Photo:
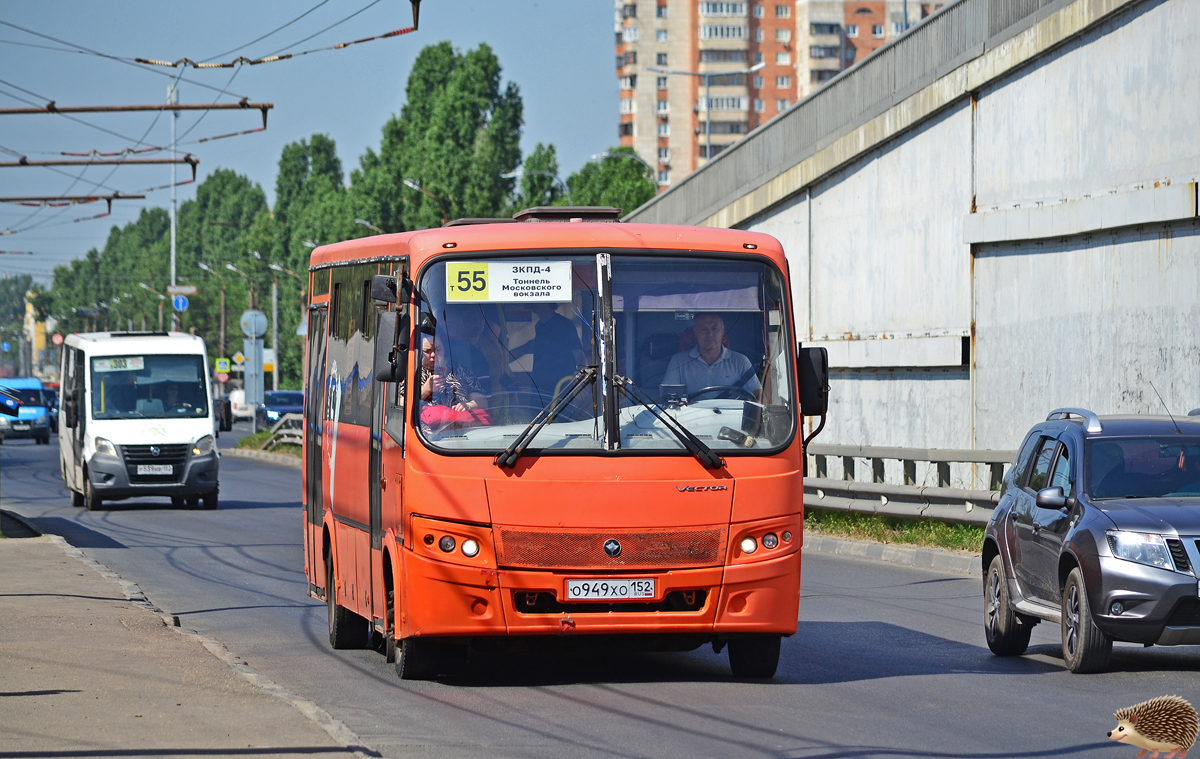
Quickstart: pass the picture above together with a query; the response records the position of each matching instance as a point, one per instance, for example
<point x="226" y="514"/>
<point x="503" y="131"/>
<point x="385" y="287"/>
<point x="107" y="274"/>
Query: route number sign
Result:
<point x="503" y="282"/>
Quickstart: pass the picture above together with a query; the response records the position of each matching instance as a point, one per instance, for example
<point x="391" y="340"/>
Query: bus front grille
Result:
<point x="648" y="549"/>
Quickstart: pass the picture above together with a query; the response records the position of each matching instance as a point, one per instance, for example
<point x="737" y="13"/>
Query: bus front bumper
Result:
<point x="446" y="599"/>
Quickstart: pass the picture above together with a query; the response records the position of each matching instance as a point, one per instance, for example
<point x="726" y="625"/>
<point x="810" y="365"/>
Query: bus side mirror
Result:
<point x="383" y="288"/>
<point x="814" y="380"/>
<point x="391" y="346"/>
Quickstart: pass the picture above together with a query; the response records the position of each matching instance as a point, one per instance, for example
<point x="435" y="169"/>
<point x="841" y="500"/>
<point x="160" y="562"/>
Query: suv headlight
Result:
<point x="202" y="446"/>
<point x="105" y="447"/>
<point x="1141" y="547"/>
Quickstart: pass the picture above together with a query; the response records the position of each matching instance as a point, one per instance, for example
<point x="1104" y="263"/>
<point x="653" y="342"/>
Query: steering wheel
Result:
<point x="731" y="392"/>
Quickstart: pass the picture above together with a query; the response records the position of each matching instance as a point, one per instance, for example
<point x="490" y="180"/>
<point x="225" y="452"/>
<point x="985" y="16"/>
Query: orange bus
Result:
<point x="556" y="425"/>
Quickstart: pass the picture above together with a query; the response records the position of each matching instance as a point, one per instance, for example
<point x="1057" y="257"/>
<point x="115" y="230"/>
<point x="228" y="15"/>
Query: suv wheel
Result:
<point x="1085" y="648"/>
<point x="1007" y="634"/>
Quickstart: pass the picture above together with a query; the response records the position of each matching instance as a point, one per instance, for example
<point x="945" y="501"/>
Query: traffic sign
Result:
<point x="254" y="323"/>
<point x="181" y="289"/>
<point x="180" y="302"/>
<point x="222" y="377"/>
<point x="238" y="358"/>
<point x="57" y="339"/>
<point x="222" y="365"/>
<point x="5" y="346"/>
<point x="268" y="359"/>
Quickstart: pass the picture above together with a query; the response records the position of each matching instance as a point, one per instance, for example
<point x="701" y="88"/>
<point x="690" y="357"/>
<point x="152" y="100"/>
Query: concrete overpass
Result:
<point x="993" y="216"/>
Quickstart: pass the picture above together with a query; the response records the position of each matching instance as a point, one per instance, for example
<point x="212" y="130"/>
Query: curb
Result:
<point x="282" y="459"/>
<point x="930" y="558"/>
<point x="336" y="729"/>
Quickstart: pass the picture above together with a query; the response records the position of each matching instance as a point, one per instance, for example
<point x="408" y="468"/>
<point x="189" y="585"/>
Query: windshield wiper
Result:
<point x="705" y="455"/>
<point x="507" y="459"/>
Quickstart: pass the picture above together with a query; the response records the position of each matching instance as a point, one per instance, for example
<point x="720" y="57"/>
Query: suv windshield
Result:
<point x="148" y="387"/>
<point x="704" y="338"/>
<point x="1144" y="467"/>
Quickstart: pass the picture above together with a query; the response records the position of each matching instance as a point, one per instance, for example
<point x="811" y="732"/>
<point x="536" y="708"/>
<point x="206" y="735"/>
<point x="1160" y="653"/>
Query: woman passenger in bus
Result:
<point x="450" y="392"/>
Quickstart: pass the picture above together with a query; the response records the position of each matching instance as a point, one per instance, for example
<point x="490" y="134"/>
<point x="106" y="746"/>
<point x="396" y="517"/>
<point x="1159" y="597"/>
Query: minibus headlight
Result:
<point x="470" y="548"/>
<point x="446" y="544"/>
<point x="202" y="446"/>
<point x="105" y="447"/>
<point x="770" y="540"/>
<point x="749" y="545"/>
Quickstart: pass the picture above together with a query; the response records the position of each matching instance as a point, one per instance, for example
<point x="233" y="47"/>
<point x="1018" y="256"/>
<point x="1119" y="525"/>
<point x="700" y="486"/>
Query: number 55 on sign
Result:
<point x="497" y="282"/>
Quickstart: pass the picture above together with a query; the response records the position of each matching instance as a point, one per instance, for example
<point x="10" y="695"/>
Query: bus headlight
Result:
<point x="447" y="544"/>
<point x="749" y="545"/>
<point x="770" y="540"/>
<point x="202" y="446"/>
<point x="105" y="447"/>
<point x="470" y="548"/>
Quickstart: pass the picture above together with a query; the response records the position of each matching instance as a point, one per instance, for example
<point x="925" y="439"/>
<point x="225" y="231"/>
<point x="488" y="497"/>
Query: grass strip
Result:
<point x="881" y="529"/>
<point x="255" y="443"/>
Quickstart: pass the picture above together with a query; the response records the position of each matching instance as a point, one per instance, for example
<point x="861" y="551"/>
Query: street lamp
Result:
<point x="522" y="172"/>
<point x="708" y="77"/>
<point x="274" y="321"/>
<point x="369" y="225"/>
<point x="212" y="271"/>
<point x="417" y="186"/>
<point x="161" y="298"/>
<point x="249" y="283"/>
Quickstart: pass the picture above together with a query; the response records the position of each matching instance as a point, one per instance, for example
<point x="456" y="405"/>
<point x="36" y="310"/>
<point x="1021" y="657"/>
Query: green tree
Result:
<point x="12" y="314"/>
<point x="624" y="183"/>
<point x="540" y="185"/>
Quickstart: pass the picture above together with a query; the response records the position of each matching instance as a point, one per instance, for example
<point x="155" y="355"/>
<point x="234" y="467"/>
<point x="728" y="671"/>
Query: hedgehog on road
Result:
<point x="1166" y="723"/>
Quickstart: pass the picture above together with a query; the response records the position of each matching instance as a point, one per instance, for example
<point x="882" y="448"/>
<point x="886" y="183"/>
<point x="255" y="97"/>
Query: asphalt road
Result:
<point x="889" y="661"/>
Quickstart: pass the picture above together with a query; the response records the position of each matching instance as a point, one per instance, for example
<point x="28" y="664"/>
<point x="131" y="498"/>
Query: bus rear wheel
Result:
<point x="754" y="657"/>
<point x="346" y="629"/>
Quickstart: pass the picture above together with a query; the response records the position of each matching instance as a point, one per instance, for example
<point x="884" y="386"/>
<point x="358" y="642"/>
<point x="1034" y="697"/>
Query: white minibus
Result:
<point x="137" y="419"/>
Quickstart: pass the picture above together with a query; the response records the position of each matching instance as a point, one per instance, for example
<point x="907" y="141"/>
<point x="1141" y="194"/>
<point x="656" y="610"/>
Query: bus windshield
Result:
<point x="702" y="339"/>
<point x="167" y="386"/>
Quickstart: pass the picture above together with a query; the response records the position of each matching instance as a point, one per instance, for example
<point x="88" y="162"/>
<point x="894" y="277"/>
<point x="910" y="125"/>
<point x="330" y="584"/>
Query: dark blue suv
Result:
<point x="1098" y="529"/>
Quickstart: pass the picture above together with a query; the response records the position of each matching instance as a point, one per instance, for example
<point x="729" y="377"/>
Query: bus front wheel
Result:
<point x="754" y="657"/>
<point x="417" y="659"/>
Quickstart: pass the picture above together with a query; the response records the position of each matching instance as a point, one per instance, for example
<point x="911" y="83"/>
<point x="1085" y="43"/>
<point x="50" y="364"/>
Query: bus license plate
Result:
<point x="155" y="469"/>
<point x="615" y="590"/>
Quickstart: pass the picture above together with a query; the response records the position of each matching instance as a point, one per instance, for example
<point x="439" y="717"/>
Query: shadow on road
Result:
<point x="75" y="533"/>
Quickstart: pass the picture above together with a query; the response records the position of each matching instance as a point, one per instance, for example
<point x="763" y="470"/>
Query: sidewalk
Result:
<point x="86" y="671"/>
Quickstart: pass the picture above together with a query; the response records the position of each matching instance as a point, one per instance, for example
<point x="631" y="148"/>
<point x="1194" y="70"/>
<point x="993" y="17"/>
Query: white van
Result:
<point x="136" y="418"/>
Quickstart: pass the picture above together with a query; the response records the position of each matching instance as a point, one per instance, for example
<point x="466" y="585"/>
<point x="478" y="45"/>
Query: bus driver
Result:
<point x="710" y="363"/>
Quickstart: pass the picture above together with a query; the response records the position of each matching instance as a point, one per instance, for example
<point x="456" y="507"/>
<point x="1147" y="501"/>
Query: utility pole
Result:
<point x="275" y="330"/>
<point x="173" y="99"/>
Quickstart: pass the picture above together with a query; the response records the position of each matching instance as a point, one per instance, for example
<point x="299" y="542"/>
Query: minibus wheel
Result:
<point x="91" y="498"/>
<point x="346" y="629"/>
<point x="417" y="659"/>
<point x="754" y="657"/>
<point x="77" y="499"/>
<point x="211" y="500"/>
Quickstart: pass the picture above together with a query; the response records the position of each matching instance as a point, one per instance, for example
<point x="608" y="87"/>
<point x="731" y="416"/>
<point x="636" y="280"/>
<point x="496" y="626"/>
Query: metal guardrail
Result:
<point x="910" y="499"/>
<point x="288" y="430"/>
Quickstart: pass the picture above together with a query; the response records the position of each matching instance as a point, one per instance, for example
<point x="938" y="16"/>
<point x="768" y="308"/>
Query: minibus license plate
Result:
<point x="20" y="427"/>
<point x="155" y="469"/>
<point x="610" y="589"/>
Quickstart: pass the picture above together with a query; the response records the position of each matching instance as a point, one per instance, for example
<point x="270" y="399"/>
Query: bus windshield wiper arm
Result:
<point x="705" y="455"/>
<point x="507" y="459"/>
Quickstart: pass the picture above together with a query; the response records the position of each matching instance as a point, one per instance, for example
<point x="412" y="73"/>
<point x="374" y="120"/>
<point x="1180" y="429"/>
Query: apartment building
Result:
<point x="833" y="35"/>
<point x="698" y="75"/>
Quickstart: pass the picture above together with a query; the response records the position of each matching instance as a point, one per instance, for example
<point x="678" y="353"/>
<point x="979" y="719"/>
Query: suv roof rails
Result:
<point x="1092" y="421"/>
<point x="569" y="213"/>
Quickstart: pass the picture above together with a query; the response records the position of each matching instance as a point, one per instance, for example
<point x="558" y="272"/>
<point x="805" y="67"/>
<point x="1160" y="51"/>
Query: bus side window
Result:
<point x="393" y="415"/>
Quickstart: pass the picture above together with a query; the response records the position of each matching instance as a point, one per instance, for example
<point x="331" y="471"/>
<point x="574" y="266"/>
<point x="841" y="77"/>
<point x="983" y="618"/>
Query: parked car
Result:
<point x="276" y="403"/>
<point x="1097" y="529"/>
<point x="33" y="419"/>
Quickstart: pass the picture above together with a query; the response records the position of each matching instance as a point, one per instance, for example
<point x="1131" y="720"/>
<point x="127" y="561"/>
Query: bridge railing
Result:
<point x="891" y="483"/>
<point x="289" y="429"/>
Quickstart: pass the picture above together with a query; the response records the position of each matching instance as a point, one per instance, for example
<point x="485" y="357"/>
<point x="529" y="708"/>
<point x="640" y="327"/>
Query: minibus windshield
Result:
<point x="703" y="338"/>
<point x="165" y="386"/>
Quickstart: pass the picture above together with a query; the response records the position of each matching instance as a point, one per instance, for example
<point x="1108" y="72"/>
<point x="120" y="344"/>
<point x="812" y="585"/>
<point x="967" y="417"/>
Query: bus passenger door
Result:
<point x="375" y="472"/>
<point x="314" y="414"/>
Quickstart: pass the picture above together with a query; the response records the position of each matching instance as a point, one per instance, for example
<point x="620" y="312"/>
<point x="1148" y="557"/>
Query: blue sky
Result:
<point x="559" y="52"/>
